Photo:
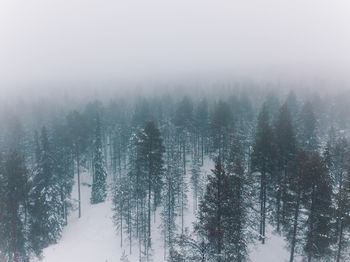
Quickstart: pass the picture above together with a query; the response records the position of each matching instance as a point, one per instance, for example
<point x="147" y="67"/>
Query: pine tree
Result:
<point x="150" y="161"/>
<point x="184" y="123"/>
<point x="340" y="168"/>
<point x="64" y="165"/>
<point x="286" y="147"/>
<point x="45" y="222"/>
<point x="196" y="180"/>
<point x="292" y="104"/>
<point x="221" y="126"/>
<point x="307" y="129"/>
<point x="12" y="219"/>
<point x="236" y="238"/>
<point x="78" y="129"/>
<point x="99" y="191"/>
<point x="298" y="169"/>
<point x="318" y="203"/>
<point x="273" y="106"/>
<point x="214" y="212"/>
<point x="171" y="197"/>
<point x="343" y="218"/>
<point x="190" y="247"/>
<point x="263" y="161"/>
<point x="202" y="122"/>
<point x="123" y="204"/>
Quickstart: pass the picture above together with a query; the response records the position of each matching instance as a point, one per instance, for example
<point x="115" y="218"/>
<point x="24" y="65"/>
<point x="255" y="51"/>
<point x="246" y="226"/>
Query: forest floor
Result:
<point x="93" y="238"/>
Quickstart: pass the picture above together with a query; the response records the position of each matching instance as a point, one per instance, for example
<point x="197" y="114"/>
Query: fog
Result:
<point x="91" y="44"/>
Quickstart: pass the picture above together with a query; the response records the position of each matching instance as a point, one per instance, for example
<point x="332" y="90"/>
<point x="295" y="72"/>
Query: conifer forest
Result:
<point x="174" y="131"/>
<point x="240" y="164"/>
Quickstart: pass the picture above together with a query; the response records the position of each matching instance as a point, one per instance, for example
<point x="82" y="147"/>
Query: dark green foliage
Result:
<point x="99" y="188"/>
<point x="237" y="236"/>
<point x="150" y="162"/>
<point x="221" y="127"/>
<point x="64" y="166"/>
<point x="297" y="172"/>
<point x="271" y="175"/>
<point x="286" y="147"/>
<point x="264" y="161"/>
<point x="79" y="137"/>
<point x="292" y="104"/>
<point x="264" y="149"/>
<point x="202" y="126"/>
<point x="318" y="202"/>
<point x="221" y="215"/>
<point x="196" y="180"/>
<point x="190" y="247"/>
<point x="184" y="115"/>
<point x="46" y="220"/>
<point x="13" y="189"/>
<point x="307" y="129"/>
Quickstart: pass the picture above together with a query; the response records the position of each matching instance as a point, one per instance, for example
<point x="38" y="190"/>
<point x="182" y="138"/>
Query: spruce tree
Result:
<point x="171" y="197"/>
<point x="292" y="104"/>
<point x="196" y="180"/>
<point x="308" y="128"/>
<point x="319" y="208"/>
<point x="340" y="168"/>
<point x="236" y="238"/>
<point x="263" y="161"/>
<point x="221" y="126"/>
<point x="78" y="130"/>
<point x="99" y="190"/>
<point x="214" y="212"/>
<point x="150" y="161"/>
<point x="64" y="165"/>
<point x="45" y="222"/>
<point x="286" y="147"/>
<point x="343" y="219"/>
<point x="298" y="169"/>
<point x="12" y="223"/>
<point x="202" y="122"/>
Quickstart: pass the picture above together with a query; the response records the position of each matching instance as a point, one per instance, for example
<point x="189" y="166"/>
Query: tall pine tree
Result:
<point x="46" y="221"/>
<point x="99" y="190"/>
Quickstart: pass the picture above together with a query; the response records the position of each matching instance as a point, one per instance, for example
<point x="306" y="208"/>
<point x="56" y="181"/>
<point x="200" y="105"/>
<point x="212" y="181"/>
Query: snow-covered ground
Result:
<point x="273" y="250"/>
<point x="92" y="238"/>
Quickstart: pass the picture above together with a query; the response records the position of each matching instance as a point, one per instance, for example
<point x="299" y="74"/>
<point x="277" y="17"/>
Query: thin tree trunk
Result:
<point x="264" y="211"/>
<point x="182" y="188"/>
<point x="261" y="207"/>
<point x="340" y="243"/>
<point x="311" y="226"/>
<point x="284" y="193"/>
<point x="219" y="222"/>
<point x="78" y="170"/>
<point x="121" y="227"/>
<point x="295" y="227"/>
<point x="278" y="206"/>
<point x="202" y="151"/>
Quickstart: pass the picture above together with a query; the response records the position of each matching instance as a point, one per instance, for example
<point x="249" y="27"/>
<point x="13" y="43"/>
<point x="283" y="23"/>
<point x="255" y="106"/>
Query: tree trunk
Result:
<point x="340" y="243"/>
<point x="311" y="226"/>
<point x="149" y="211"/>
<point x="264" y="210"/>
<point x="78" y="170"/>
<point x="202" y="149"/>
<point x="261" y="206"/>
<point x="278" y="200"/>
<point x="295" y="226"/>
<point x="182" y="187"/>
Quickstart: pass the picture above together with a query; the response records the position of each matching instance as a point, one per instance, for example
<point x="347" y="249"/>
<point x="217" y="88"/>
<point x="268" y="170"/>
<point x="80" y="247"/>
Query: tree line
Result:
<point x="280" y="166"/>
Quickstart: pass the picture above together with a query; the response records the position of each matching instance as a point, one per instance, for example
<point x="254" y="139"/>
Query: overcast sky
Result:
<point x="48" y="42"/>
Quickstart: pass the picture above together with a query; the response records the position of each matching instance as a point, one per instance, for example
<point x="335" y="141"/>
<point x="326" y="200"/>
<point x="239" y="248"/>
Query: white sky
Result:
<point x="54" y="41"/>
